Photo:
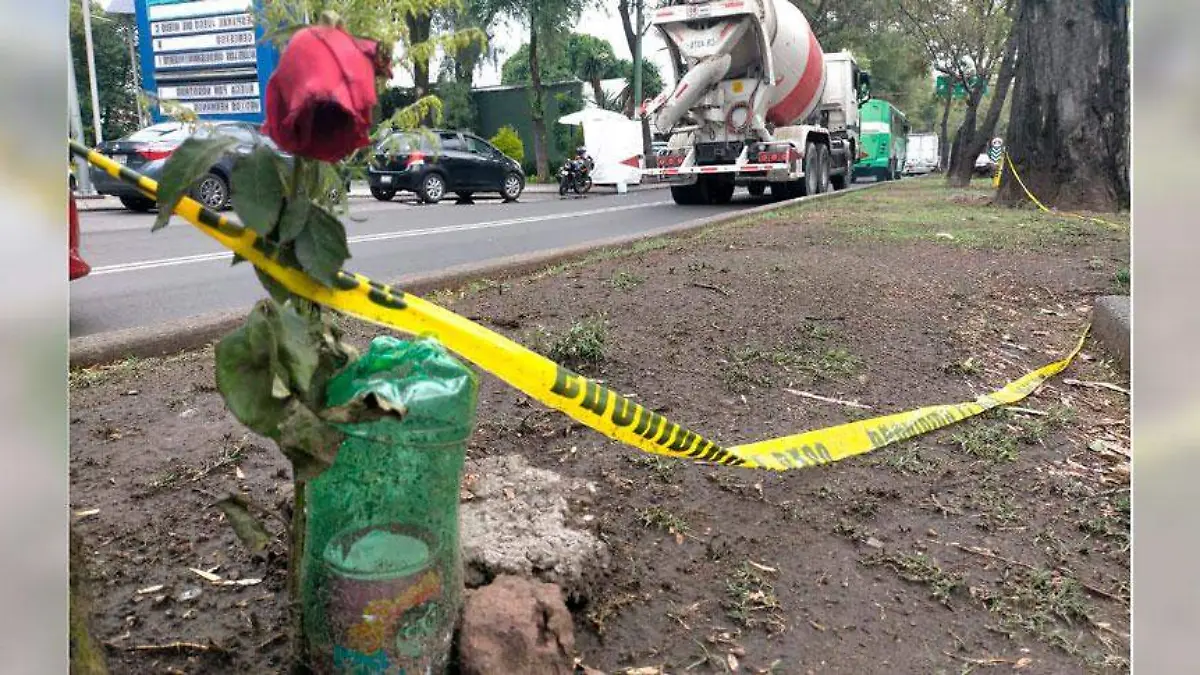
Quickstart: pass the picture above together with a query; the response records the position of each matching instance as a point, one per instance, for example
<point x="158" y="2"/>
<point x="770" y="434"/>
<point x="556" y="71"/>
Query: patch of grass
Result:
<point x="919" y="568"/>
<point x="988" y="441"/>
<point x="750" y="599"/>
<point x="1121" y="281"/>
<point x="1041" y="602"/>
<point x="833" y="364"/>
<point x="599" y="613"/>
<point x="747" y="366"/>
<point x="582" y="343"/>
<point x="923" y="210"/>
<point x="968" y="366"/>
<point x="625" y="281"/>
<point x="232" y="452"/>
<point x="82" y="378"/>
<point x="662" y="469"/>
<point x="997" y="507"/>
<point x="659" y="518"/>
<point x="911" y="461"/>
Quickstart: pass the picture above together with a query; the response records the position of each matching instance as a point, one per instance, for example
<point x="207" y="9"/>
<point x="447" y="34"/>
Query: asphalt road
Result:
<point x="141" y="279"/>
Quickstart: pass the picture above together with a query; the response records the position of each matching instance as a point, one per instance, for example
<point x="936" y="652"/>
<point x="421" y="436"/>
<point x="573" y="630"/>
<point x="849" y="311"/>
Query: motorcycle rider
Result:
<point x="581" y="154"/>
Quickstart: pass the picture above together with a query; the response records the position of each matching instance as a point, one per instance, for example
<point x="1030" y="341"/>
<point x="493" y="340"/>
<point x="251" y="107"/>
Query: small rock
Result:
<point x="874" y="543"/>
<point x="188" y="594"/>
<point x="189" y="413"/>
<point x="932" y="532"/>
<point x="516" y="625"/>
<point x="131" y="392"/>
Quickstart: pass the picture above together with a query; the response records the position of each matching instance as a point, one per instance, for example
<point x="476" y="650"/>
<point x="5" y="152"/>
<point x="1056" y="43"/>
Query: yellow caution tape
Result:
<point x="582" y="399"/>
<point x="1006" y="160"/>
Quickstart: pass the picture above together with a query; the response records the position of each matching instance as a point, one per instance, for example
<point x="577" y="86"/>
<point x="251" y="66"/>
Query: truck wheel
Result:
<point x="812" y="165"/>
<point x="720" y="192"/>
<point x="757" y="189"/>
<point x="842" y="180"/>
<point x="823" y="164"/>
<point x="686" y="195"/>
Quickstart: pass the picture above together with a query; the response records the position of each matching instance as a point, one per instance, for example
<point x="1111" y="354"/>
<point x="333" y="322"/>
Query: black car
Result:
<point x="432" y="163"/>
<point x="146" y="151"/>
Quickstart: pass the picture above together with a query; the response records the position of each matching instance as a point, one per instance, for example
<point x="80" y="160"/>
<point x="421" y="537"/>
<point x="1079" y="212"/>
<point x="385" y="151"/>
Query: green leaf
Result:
<point x="276" y="290"/>
<point x="295" y="219"/>
<point x="246" y="365"/>
<point x="321" y="247"/>
<point x="190" y="161"/>
<point x="247" y="528"/>
<point x="258" y="190"/>
<point x="299" y="347"/>
<point x="310" y="443"/>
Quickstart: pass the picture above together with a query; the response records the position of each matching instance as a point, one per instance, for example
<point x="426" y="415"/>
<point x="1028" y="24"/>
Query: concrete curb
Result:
<point x="196" y="332"/>
<point x="1110" y="324"/>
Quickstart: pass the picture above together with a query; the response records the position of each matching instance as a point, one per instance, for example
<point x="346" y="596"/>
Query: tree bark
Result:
<point x="944" y="140"/>
<point x="962" y="162"/>
<point x="537" y="104"/>
<point x="1068" y="133"/>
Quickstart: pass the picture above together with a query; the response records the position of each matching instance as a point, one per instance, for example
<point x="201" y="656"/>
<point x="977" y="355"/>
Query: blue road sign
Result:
<point x="207" y="55"/>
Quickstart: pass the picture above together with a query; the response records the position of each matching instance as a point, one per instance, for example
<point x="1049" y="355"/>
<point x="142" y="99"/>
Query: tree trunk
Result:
<point x="418" y="31"/>
<point x="85" y="654"/>
<point x="962" y="162"/>
<point x="944" y="139"/>
<point x="1068" y="133"/>
<point x="538" y="115"/>
<point x="973" y="137"/>
<point x="598" y="92"/>
<point x="631" y="36"/>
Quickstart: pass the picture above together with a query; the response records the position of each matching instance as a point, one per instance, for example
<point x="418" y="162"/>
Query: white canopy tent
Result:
<point x="614" y="143"/>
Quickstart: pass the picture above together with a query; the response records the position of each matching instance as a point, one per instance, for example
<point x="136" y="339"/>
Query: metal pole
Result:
<point x="637" y="63"/>
<point x="137" y="79"/>
<point x="91" y="62"/>
<point x="83" y="178"/>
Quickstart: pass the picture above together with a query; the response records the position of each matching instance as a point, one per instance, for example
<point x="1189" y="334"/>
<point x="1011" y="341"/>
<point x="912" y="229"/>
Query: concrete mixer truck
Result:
<point x="757" y="103"/>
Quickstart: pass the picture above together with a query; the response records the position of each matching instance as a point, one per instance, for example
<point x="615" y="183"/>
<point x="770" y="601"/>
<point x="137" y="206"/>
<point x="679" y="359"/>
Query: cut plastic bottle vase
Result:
<point x="382" y="570"/>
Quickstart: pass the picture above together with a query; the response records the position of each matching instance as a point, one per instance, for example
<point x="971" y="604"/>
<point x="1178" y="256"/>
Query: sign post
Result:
<point x="206" y="55"/>
<point x="996" y="154"/>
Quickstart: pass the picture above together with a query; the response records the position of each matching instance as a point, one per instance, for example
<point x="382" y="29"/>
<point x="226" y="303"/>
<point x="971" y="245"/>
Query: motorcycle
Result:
<point x="575" y="174"/>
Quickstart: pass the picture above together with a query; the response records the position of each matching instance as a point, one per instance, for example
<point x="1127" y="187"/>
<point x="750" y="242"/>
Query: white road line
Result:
<point x="383" y="236"/>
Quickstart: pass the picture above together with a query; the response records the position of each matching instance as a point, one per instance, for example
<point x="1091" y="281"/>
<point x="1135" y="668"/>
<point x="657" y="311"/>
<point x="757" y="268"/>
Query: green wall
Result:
<point x="510" y="105"/>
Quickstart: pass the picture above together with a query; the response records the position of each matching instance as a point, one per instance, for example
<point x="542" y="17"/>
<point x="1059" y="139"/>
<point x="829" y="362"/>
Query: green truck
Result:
<point x="884" y="134"/>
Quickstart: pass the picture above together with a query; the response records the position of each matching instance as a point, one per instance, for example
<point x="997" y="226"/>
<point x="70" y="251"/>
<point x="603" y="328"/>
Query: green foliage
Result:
<point x="259" y="198"/>
<point x="272" y="373"/>
<point x="321" y="246"/>
<point x="190" y="161"/>
<point x="508" y="141"/>
<point x="458" y="107"/>
<point x="116" y="83"/>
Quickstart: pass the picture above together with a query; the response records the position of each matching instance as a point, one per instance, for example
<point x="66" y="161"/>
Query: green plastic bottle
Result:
<point x="382" y="570"/>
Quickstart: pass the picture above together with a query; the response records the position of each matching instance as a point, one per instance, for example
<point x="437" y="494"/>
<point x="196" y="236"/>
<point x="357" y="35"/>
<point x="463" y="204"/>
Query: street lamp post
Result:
<point x="91" y="62"/>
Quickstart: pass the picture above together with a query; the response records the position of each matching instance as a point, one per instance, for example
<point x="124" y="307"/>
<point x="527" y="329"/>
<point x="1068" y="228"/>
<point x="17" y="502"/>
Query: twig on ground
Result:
<point x="178" y="647"/>
<point x="980" y="662"/>
<point x="1027" y="411"/>
<point x="986" y="553"/>
<point x="1097" y="385"/>
<point x="818" y="397"/>
<point x="710" y="287"/>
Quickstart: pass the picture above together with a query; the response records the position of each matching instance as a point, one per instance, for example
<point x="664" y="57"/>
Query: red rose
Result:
<point x="319" y="99"/>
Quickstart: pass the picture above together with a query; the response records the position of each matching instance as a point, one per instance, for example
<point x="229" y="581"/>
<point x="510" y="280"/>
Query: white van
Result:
<point x="923" y="154"/>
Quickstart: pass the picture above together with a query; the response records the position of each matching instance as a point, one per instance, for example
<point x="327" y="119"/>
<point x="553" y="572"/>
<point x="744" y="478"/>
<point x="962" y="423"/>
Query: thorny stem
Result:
<point x="296" y="536"/>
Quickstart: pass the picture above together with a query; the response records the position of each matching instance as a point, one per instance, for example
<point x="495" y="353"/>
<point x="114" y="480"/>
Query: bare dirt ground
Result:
<point x="999" y="542"/>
